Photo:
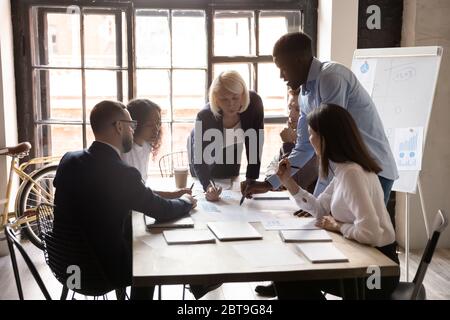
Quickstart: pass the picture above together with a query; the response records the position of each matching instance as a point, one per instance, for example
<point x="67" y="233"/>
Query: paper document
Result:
<point x="305" y="236"/>
<point x="236" y="230"/>
<point x="290" y="224"/>
<point x="268" y="255"/>
<point x="318" y="252"/>
<point x="408" y="148"/>
<point x="365" y="70"/>
<point x="207" y="206"/>
<point x="188" y="236"/>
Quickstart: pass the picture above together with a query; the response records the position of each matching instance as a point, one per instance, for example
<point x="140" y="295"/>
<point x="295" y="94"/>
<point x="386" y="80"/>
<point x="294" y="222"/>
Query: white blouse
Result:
<point x="355" y="198"/>
<point x="139" y="157"/>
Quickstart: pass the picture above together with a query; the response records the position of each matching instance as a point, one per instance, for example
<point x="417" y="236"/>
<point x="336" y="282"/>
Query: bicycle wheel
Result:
<point x="32" y="195"/>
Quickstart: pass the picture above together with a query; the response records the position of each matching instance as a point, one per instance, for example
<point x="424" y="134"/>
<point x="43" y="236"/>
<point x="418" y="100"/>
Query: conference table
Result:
<point x="157" y="263"/>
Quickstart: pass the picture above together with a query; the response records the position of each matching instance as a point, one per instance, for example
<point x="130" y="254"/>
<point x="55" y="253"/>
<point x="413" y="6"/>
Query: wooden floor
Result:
<point x="437" y="280"/>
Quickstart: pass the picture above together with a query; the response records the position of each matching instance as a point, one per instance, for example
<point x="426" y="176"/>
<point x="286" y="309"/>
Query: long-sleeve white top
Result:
<point x="355" y="198"/>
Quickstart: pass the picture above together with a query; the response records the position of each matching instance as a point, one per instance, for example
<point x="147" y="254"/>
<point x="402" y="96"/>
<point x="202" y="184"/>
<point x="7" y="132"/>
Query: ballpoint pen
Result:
<point x="192" y="186"/>
<point x="243" y="196"/>
<point x="211" y="181"/>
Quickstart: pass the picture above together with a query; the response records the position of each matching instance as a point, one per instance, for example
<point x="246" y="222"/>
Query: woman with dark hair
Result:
<point x="147" y="140"/>
<point x="354" y="197"/>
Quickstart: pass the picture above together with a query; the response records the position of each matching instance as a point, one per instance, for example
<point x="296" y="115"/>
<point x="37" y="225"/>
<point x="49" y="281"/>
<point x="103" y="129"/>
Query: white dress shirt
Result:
<point x="355" y="198"/>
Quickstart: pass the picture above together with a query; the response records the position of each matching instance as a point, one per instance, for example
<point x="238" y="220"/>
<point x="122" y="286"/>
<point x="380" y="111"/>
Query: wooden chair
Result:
<point x="415" y="290"/>
<point x="172" y="160"/>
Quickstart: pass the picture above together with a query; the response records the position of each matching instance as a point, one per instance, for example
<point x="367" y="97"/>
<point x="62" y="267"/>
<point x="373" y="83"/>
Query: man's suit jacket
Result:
<point x="96" y="191"/>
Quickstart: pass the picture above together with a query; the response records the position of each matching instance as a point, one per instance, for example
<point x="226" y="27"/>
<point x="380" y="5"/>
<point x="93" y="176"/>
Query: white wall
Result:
<point x="337" y="30"/>
<point x="8" y="118"/>
<point x="427" y="23"/>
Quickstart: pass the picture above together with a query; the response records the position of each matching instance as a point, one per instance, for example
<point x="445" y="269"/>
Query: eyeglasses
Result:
<point x="131" y="123"/>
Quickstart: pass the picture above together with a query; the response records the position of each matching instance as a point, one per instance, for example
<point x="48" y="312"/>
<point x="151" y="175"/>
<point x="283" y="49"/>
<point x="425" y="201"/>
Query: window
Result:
<point x="169" y="53"/>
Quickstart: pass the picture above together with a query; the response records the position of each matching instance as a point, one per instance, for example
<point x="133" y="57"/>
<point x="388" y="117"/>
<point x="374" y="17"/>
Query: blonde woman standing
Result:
<point x="238" y="115"/>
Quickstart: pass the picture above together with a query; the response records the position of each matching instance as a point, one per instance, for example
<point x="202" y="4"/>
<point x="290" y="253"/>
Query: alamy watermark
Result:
<point x="218" y="140"/>
<point x="374" y="280"/>
<point x="74" y="279"/>
<point x="374" y="20"/>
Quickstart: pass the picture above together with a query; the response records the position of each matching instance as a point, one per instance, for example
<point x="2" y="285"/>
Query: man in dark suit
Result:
<point x="96" y="191"/>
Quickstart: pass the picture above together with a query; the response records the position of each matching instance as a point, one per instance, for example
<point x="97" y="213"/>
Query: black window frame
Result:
<point x="23" y="37"/>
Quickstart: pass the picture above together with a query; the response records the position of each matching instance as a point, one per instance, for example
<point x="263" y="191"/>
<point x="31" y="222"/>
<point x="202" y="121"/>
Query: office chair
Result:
<point x="14" y="242"/>
<point x="415" y="290"/>
<point x="172" y="160"/>
<point x="67" y="247"/>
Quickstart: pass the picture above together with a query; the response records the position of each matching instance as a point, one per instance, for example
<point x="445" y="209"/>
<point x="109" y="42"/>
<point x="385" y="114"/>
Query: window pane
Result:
<point x="153" y="167"/>
<point x="274" y="24"/>
<point x="58" y="95"/>
<point x="155" y="85"/>
<point x="185" y="24"/>
<point x="89" y="135"/>
<point x="181" y="131"/>
<point x="57" y="39"/>
<point x="272" y="89"/>
<point x="152" y="38"/>
<point x="244" y="69"/>
<point x="56" y="140"/>
<point x="188" y="93"/>
<point x="234" y="33"/>
<point x="105" y="85"/>
<point x="100" y="40"/>
<point x="272" y="144"/>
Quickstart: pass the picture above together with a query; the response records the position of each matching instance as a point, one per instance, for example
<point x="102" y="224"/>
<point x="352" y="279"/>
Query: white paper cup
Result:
<point x="180" y="175"/>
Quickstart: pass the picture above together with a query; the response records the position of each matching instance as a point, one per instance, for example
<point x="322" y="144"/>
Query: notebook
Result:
<point x="234" y="230"/>
<point x="305" y="236"/>
<point x="188" y="236"/>
<point x="317" y="252"/>
<point x="184" y="222"/>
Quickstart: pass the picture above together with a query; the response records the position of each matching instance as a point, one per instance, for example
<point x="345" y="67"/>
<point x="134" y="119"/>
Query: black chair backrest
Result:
<point x="439" y="225"/>
<point x="65" y="247"/>
<point x="14" y="242"/>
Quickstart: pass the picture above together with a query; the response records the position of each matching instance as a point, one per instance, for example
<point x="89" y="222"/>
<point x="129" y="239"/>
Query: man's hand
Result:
<point x="329" y="223"/>
<point x="288" y="135"/>
<point x="189" y="199"/>
<point x="212" y="193"/>
<point x="284" y="170"/>
<point x="249" y="188"/>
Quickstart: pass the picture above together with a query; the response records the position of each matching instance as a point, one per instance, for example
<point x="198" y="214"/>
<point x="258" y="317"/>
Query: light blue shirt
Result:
<point x="330" y="82"/>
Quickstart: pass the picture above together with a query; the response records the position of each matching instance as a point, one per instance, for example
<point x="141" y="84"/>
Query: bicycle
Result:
<point x="35" y="188"/>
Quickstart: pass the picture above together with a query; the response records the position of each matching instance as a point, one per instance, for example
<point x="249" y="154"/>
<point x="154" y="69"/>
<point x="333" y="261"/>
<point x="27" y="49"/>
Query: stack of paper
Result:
<point x="305" y="236"/>
<point x="188" y="236"/>
<point x="322" y="252"/>
<point x="235" y="230"/>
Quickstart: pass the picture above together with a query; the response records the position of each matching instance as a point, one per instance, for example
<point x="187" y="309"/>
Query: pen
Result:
<point x="243" y="196"/>
<point x="192" y="186"/>
<point x="213" y="184"/>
